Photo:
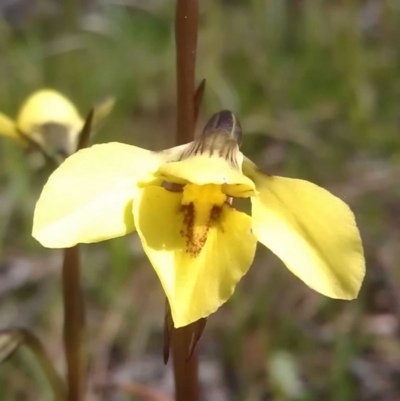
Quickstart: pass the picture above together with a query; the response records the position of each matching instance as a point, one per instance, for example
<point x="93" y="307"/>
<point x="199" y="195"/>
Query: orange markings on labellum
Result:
<point x="195" y="227"/>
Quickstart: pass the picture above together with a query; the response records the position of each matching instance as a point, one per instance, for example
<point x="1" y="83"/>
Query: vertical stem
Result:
<point x="74" y="325"/>
<point x="186" y="29"/>
<point x="185" y="370"/>
<point x="74" y="306"/>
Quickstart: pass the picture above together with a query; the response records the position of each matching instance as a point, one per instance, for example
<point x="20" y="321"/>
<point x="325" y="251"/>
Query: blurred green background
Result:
<point x="316" y="86"/>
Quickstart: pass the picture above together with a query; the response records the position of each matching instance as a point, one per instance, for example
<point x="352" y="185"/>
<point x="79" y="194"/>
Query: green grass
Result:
<point x="318" y="96"/>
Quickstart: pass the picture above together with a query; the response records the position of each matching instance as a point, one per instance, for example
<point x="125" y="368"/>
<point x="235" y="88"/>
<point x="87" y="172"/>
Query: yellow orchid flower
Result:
<point x="49" y="119"/>
<point x="179" y="202"/>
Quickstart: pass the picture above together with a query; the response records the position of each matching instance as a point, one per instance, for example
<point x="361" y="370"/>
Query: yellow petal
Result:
<point x="47" y="106"/>
<point x="7" y="128"/>
<point x="202" y="170"/>
<point x="89" y="197"/>
<point x="313" y="232"/>
<point x="196" y="281"/>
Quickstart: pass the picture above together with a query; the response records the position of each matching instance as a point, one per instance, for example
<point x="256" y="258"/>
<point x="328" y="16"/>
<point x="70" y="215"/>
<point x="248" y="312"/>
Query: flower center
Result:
<point x="201" y="207"/>
<point x="203" y="195"/>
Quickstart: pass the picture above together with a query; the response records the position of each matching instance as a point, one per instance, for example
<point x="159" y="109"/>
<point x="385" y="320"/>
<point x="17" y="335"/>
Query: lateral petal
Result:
<point x="89" y="197"/>
<point x="312" y="231"/>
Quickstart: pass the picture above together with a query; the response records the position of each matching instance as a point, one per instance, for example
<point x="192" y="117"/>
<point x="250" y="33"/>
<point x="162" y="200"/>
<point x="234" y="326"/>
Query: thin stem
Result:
<point x="74" y="325"/>
<point x="186" y="29"/>
<point x="185" y="370"/>
<point x="74" y="306"/>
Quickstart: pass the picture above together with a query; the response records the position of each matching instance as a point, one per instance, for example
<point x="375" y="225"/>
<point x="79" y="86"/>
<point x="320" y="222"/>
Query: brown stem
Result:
<point x="74" y="325"/>
<point x="186" y="28"/>
<point x="194" y="331"/>
<point x="74" y="306"/>
<point x="185" y="370"/>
